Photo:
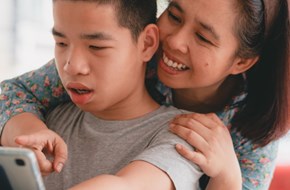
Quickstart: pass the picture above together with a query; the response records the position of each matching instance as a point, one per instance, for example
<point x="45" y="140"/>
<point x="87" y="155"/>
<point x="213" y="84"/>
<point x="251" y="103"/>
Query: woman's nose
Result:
<point x="178" y="40"/>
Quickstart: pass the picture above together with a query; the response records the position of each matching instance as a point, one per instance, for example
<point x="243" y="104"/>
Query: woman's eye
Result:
<point x="203" y="38"/>
<point x="173" y="17"/>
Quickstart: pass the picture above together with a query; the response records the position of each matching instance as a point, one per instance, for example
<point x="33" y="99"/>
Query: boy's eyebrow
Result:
<point x="56" y="33"/>
<point x="210" y="29"/>
<point x="94" y="36"/>
<point x="97" y="36"/>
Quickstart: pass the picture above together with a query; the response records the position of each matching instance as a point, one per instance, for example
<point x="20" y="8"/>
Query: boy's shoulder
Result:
<point x="171" y="110"/>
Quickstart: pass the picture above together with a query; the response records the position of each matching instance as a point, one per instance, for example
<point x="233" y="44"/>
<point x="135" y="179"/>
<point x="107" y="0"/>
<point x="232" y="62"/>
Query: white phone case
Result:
<point x="19" y="170"/>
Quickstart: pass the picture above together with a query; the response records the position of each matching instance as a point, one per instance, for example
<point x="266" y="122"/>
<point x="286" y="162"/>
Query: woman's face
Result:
<point x="198" y="44"/>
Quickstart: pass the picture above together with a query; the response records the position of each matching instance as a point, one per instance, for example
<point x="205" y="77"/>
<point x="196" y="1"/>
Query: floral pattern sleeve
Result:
<point x="35" y="92"/>
<point x="257" y="163"/>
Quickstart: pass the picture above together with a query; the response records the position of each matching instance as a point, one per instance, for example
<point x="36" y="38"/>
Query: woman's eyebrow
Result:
<point x="175" y="5"/>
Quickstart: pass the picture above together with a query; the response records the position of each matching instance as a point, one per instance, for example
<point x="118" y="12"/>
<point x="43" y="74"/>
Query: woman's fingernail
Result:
<point x="59" y="167"/>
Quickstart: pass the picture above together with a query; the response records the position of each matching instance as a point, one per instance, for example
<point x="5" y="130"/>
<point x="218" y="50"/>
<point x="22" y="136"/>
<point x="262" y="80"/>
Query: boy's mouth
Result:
<point x="80" y="91"/>
<point x="174" y="65"/>
<point x="79" y="88"/>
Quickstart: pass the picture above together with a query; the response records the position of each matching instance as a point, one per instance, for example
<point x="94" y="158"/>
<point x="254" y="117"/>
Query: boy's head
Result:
<point x="132" y="14"/>
<point x="101" y="58"/>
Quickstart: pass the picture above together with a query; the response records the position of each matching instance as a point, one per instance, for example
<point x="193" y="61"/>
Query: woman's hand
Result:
<point x="214" y="147"/>
<point x="49" y="148"/>
<point x="26" y="130"/>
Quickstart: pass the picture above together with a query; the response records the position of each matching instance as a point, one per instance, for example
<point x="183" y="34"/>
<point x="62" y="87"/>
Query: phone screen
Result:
<point x="4" y="182"/>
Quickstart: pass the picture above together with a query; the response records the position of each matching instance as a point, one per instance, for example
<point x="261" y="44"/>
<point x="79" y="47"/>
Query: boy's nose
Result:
<point x="76" y="64"/>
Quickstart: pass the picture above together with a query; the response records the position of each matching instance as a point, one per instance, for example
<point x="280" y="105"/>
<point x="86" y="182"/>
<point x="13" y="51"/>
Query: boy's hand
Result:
<point x="46" y="143"/>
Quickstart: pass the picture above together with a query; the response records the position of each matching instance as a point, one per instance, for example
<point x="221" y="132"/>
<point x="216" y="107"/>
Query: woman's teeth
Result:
<point x="173" y="64"/>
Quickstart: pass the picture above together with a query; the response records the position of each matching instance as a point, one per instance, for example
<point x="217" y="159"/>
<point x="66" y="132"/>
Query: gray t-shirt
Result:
<point x="99" y="146"/>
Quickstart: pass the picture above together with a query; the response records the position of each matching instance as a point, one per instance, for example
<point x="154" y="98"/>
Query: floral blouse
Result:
<point x="41" y="90"/>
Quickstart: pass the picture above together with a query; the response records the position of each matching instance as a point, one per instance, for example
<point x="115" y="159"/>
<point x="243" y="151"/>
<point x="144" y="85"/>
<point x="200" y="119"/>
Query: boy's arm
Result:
<point x="34" y="92"/>
<point x="138" y="175"/>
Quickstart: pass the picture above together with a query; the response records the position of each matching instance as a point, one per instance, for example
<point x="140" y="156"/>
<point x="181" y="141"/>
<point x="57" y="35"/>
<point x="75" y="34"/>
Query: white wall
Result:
<point x="25" y="39"/>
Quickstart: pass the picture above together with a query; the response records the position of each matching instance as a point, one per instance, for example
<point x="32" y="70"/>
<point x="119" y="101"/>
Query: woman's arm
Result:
<point x="216" y="157"/>
<point x="35" y="92"/>
<point x="27" y="130"/>
<point x="23" y="104"/>
<point x="214" y="151"/>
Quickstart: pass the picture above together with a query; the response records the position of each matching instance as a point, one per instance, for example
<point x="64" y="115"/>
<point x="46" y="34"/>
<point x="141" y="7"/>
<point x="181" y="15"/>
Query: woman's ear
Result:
<point x="241" y="65"/>
<point x="149" y="42"/>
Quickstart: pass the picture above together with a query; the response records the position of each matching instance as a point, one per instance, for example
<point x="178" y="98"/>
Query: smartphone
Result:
<point x="19" y="170"/>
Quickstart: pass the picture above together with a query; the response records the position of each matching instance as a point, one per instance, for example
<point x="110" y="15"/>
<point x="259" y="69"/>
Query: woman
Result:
<point x="226" y="57"/>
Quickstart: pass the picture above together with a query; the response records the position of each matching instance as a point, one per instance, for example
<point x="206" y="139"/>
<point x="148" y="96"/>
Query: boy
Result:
<point x="117" y="135"/>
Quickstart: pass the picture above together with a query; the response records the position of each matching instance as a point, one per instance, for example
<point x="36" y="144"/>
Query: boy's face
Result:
<point x="97" y="60"/>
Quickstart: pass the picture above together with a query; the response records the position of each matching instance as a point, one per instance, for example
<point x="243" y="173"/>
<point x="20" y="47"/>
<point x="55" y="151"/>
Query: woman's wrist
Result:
<point x="230" y="180"/>
<point x="21" y="124"/>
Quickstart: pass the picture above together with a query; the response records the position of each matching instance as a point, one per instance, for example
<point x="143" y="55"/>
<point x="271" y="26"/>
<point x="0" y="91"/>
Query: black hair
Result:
<point x="263" y="30"/>
<point x="132" y="14"/>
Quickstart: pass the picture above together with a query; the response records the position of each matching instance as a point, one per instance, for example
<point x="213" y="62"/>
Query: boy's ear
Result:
<point x="241" y="65"/>
<point x="149" y="42"/>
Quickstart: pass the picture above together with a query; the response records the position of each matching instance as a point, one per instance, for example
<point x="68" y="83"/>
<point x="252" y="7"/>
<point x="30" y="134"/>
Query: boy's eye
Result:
<point x="96" y="47"/>
<point x="202" y="38"/>
<point x="173" y="17"/>
<point x="61" y="44"/>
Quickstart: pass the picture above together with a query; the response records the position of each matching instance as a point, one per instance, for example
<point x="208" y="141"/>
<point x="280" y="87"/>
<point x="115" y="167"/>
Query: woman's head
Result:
<point x="204" y="42"/>
<point x="199" y="45"/>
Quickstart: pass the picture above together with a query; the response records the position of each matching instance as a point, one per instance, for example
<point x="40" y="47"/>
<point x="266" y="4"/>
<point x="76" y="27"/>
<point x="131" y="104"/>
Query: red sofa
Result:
<point x="281" y="178"/>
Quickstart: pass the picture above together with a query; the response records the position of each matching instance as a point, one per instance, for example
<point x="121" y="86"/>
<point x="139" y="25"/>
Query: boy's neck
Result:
<point x="139" y="105"/>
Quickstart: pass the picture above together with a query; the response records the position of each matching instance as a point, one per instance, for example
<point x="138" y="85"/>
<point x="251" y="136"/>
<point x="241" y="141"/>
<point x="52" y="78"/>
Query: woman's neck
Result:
<point x="207" y="100"/>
